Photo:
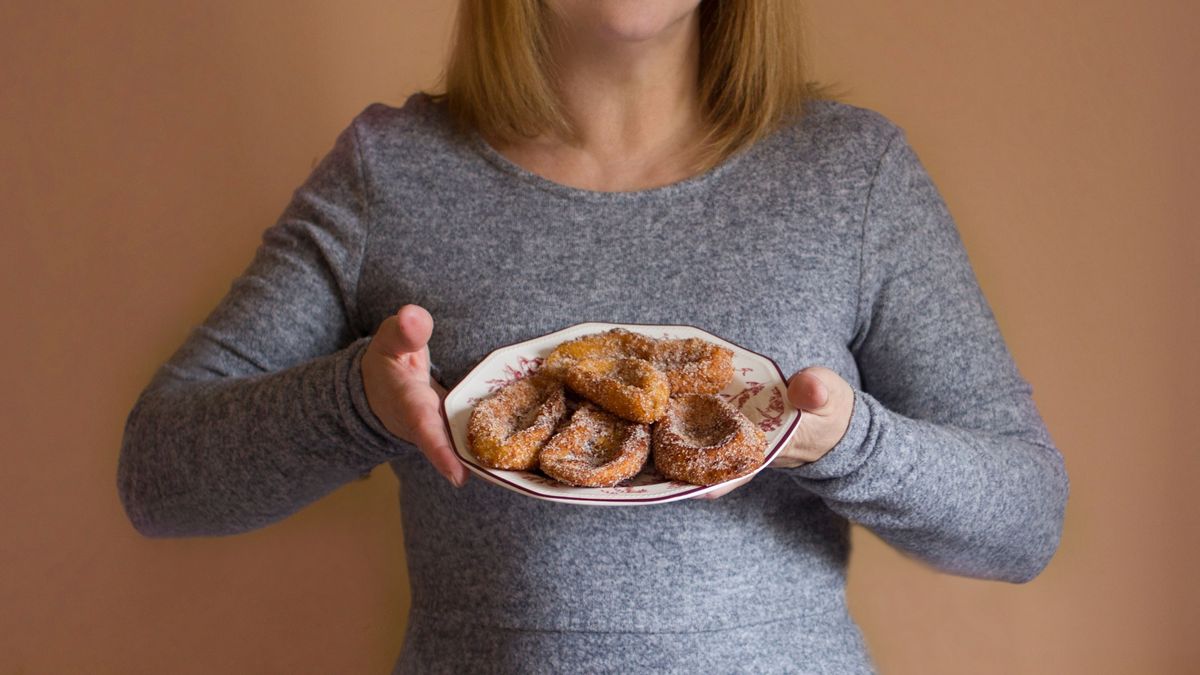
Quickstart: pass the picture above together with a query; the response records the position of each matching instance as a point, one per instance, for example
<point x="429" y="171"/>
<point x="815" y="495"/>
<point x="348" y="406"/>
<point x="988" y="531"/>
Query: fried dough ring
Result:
<point x="596" y="449"/>
<point x="693" y="365"/>
<point x="617" y="343"/>
<point x="704" y="440"/>
<point x="508" y="429"/>
<point x="631" y="389"/>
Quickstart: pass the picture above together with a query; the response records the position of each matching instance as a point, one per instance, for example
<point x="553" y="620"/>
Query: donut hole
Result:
<point x="532" y="414"/>
<point x="680" y="353"/>
<point x="700" y="421"/>
<point x="600" y="449"/>
<point x="632" y="389"/>
<point x="521" y="407"/>
<point x="630" y="372"/>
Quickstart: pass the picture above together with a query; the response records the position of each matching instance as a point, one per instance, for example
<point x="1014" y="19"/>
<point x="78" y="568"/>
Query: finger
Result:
<point x="404" y="333"/>
<point x="808" y="390"/>
<point x="429" y="435"/>
<point x="416" y="325"/>
<point x="719" y="492"/>
<point x="726" y="489"/>
<point x="786" y="460"/>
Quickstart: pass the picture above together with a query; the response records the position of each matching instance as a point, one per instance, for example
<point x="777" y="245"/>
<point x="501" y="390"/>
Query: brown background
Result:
<point x="146" y="145"/>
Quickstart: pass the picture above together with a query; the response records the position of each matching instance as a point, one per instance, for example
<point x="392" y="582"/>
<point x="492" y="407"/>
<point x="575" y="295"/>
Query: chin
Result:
<point x="624" y="20"/>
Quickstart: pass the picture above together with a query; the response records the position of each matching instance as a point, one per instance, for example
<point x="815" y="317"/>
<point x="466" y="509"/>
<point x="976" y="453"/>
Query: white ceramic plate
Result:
<point x="759" y="389"/>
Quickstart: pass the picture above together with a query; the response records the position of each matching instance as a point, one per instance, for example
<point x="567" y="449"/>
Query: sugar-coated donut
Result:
<point x="617" y="343"/>
<point x="632" y="389"/>
<point x="704" y="440"/>
<point x="596" y="449"/>
<point x="693" y="365"/>
<point x="508" y="429"/>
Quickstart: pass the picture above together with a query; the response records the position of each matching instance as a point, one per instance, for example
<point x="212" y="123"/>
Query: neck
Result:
<point x="630" y="97"/>
<point x="635" y="107"/>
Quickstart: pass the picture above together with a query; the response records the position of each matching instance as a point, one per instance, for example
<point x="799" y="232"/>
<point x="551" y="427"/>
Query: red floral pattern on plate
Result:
<point x="522" y="369"/>
<point x="768" y="418"/>
<point x="772" y="415"/>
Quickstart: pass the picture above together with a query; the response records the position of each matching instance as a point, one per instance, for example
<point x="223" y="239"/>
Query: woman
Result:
<point x="631" y="162"/>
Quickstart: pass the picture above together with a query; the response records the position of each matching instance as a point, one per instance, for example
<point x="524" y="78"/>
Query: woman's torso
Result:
<point x="764" y="251"/>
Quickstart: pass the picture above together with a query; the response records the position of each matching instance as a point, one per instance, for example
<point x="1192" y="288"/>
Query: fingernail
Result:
<point x="449" y="477"/>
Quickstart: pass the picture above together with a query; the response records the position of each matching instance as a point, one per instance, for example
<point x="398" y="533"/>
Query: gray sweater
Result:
<point x="824" y="244"/>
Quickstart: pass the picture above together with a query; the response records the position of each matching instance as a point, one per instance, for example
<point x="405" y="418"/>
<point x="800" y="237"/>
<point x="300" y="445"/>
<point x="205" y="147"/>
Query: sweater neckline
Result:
<point x="682" y="187"/>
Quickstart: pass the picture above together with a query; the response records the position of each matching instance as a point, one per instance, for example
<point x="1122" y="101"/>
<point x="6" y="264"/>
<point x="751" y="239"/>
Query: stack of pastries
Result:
<point x="602" y="404"/>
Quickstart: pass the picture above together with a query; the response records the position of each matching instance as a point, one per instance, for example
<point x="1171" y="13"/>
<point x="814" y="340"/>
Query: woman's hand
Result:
<point x="825" y="402"/>
<point x="395" y="372"/>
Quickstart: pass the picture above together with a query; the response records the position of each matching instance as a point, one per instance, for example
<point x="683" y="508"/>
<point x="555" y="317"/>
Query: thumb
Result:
<point x="406" y="332"/>
<point x="811" y="389"/>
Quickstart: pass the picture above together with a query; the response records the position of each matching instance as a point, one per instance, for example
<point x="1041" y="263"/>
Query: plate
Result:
<point x="758" y="388"/>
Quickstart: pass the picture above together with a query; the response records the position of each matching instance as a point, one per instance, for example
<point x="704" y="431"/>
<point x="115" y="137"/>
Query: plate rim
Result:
<point x="487" y="474"/>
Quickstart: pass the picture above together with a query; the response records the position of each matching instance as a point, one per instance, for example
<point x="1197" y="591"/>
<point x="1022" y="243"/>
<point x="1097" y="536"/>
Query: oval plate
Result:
<point x="759" y="389"/>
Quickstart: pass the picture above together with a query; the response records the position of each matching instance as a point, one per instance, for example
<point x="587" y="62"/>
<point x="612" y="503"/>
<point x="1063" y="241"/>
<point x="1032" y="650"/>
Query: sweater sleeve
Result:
<point x="262" y="409"/>
<point x="946" y="457"/>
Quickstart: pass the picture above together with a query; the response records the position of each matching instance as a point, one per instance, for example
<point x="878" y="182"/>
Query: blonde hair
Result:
<point x="500" y="77"/>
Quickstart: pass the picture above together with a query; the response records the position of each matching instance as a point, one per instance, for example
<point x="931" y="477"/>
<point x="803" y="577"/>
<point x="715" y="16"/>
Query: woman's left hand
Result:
<point x="825" y="402"/>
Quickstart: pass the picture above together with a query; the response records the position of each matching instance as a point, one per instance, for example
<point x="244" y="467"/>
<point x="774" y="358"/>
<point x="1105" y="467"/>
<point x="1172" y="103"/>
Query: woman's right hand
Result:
<point x="395" y="373"/>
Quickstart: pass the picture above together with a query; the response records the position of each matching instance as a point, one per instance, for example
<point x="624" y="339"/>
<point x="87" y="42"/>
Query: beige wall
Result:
<point x="145" y="145"/>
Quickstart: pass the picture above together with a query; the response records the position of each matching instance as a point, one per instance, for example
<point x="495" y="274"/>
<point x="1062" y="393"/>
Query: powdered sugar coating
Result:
<point x="704" y="440"/>
<point x="596" y="449"/>
<point x="693" y="365"/>
<point x="508" y="429"/>
<point x="632" y="389"/>
<point x="617" y="343"/>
